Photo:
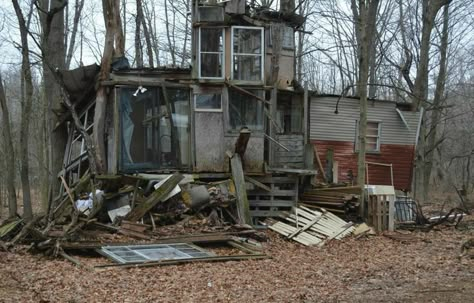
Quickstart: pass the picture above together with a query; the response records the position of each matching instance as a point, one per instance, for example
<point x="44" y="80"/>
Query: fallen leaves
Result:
<point x="352" y="270"/>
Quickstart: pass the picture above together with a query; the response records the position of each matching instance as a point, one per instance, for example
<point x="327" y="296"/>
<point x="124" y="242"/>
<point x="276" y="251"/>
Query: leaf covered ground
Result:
<point x="368" y="269"/>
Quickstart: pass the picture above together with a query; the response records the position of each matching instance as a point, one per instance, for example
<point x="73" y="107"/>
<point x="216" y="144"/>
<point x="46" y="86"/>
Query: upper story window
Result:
<point x="372" y="137"/>
<point x="211" y="53"/>
<point x="247" y="53"/>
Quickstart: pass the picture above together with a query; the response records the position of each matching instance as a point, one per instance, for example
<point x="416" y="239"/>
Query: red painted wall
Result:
<point x="400" y="156"/>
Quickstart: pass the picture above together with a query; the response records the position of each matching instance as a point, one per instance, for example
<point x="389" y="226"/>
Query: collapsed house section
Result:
<point x="239" y="97"/>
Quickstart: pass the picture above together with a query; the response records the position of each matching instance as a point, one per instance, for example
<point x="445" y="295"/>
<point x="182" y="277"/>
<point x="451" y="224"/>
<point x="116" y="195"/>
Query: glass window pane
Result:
<point x="371" y="146"/>
<point x="211" y="65"/>
<point x="245" y="110"/>
<point x="372" y="132"/>
<point x="211" y="101"/>
<point x="211" y="40"/>
<point x="211" y="13"/>
<point x="247" y="68"/>
<point x="247" y="41"/>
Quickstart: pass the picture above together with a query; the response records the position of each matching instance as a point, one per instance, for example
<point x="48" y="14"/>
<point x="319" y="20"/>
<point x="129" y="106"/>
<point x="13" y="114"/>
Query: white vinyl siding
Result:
<point x="328" y="126"/>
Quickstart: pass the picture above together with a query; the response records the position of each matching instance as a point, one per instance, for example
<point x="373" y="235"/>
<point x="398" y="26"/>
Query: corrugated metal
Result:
<point x="326" y="125"/>
<point x="400" y="156"/>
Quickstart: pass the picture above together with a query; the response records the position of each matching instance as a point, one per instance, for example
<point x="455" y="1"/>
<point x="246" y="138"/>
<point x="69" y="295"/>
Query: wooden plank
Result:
<point x="270" y="203"/>
<point x="240" y="189"/>
<point x="257" y="183"/>
<point x="275" y="180"/>
<point x="304" y="228"/>
<point x="283" y="193"/>
<point x="265" y="213"/>
<point x="242" y="141"/>
<point x="138" y="212"/>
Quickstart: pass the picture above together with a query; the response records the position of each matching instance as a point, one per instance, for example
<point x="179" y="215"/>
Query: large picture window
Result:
<point x="245" y="110"/>
<point x="154" y="128"/>
<point x="247" y="53"/>
<point x="211" y="53"/>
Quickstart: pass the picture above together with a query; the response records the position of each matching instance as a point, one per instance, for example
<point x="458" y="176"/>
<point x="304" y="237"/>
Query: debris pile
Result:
<point x="311" y="227"/>
<point x="341" y="200"/>
<point x="133" y="207"/>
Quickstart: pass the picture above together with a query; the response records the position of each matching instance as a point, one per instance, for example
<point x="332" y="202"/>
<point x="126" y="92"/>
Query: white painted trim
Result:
<point x="262" y="51"/>
<point x="403" y="118"/>
<point x="418" y="128"/>
<point x="221" y="53"/>
<point x="214" y="110"/>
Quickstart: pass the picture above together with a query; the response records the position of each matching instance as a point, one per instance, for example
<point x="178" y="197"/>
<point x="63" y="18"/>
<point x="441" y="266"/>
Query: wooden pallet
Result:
<point x="281" y="197"/>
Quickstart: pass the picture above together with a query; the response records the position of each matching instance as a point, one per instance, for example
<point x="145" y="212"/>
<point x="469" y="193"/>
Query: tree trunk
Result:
<point x="53" y="50"/>
<point x="26" y="104"/>
<point x="113" y="34"/>
<point x="77" y="15"/>
<point x="9" y="154"/>
<point x="138" y="41"/>
<point x="171" y="46"/>
<point x="432" y="137"/>
<point x="367" y="14"/>
<point x="420" y="89"/>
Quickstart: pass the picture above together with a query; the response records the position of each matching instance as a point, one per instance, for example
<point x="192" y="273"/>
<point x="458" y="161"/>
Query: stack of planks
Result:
<point x="343" y="201"/>
<point x="310" y="227"/>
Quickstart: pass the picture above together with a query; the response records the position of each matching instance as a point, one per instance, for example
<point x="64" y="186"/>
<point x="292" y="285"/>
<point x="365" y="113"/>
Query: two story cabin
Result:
<point x="242" y="78"/>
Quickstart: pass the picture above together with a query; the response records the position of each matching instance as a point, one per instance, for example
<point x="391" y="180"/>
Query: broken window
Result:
<point x="208" y="102"/>
<point x="372" y="138"/>
<point x="289" y="114"/>
<point x="211" y="53"/>
<point x="154" y="252"/>
<point x="247" y="53"/>
<point x="245" y="110"/>
<point x="154" y="128"/>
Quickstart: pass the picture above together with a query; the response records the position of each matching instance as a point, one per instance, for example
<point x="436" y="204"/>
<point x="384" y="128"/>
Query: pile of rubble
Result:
<point x="121" y="210"/>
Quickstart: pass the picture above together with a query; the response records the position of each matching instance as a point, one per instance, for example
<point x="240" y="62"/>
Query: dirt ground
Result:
<point x="374" y="269"/>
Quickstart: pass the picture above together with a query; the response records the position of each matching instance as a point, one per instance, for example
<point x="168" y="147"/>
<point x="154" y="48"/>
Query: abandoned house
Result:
<point x="241" y="82"/>
<point x="392" y="131"/>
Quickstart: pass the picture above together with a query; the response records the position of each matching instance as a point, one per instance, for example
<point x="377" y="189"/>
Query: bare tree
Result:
<point x="365" y="14"/>
<point x="113" y="47"/>
<point x="9" y="153"/>
<point x="79" y="5"/>
<point x="27" y="99"/>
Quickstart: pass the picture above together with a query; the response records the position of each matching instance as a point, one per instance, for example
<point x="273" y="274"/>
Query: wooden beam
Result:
<point x="257" y="183"/>
<point x="241" y="190"/>
<point x="242" y="141"/>
<point x="139" y="211"/>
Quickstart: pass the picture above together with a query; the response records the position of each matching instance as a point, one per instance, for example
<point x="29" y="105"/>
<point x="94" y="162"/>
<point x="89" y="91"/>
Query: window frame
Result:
<point x="262" y="52"/>
<point x="233" y="131"/>
<point x="214" y="110"/>
<point x="378" y="137"/>
<point x="222" y="54"/>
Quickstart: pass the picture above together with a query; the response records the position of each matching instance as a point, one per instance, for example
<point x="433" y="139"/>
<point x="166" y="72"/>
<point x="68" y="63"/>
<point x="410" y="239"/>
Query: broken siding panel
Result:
<point x="326" y="125"/>
<point x="400" y="156"/>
